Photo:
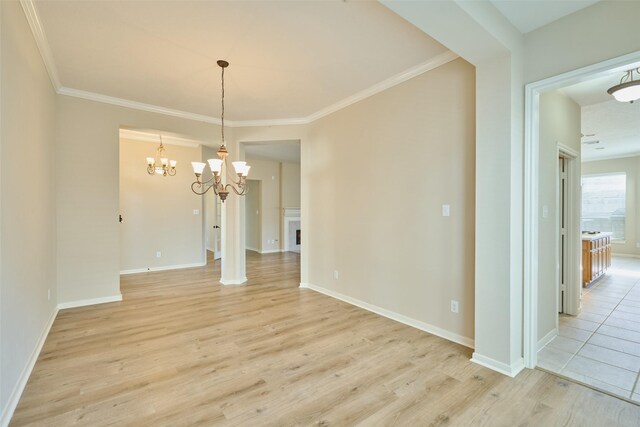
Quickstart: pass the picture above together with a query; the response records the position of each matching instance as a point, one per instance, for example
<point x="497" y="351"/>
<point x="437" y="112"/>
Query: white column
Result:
<point x="233" y="266"/>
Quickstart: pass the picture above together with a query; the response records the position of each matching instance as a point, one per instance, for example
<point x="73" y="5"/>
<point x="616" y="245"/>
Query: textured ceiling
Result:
<point x="288" y="59"/>
<point x="616" y="126"/>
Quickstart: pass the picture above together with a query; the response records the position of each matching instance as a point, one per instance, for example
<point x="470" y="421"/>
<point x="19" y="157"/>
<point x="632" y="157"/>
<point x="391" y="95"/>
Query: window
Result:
<point x="603" y="203"/>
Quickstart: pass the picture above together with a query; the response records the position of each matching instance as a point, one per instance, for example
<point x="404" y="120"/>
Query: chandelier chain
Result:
<point x="222" y="115"/>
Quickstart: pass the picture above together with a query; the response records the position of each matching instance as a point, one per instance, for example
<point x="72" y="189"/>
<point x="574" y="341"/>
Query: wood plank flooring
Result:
<point x="182" y="350"/>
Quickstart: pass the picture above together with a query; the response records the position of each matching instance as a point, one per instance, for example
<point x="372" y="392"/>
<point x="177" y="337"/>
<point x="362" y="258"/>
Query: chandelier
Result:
<point x="628" y="90"/>
<point x="161" y="165"/>
<point x="239" y="184"/>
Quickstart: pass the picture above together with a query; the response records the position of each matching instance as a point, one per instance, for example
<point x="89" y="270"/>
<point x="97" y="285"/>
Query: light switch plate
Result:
<point x="196" y="211"/>
<point x="446" y="210"/>
<point x="545" y="211"/>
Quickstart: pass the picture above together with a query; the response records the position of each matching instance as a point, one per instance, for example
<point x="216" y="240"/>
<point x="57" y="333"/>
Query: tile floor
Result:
<point x="601" y="346"/>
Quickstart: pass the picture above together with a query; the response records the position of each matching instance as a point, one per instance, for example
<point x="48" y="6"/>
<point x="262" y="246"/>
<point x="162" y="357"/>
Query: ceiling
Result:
<point x="593" y="91"/>
<point x="528" y="15"/>
<point x="288" y="59"/>
<point x="280" y="151"/>
<point x="616" y="126"/>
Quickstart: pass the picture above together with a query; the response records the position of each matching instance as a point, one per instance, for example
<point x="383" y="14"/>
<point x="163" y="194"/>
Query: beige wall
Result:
<point x="630" y="166"/>
<point x="87" y="204"/>
<point x="414" y="147"/>
<point x="27" y="200"/>
<point x="158" y="211"/>
<point x="253" y="233"/>
<point x="559" y="124"/>
<point x="290" y="185"/>
<point x="268" y="173"/>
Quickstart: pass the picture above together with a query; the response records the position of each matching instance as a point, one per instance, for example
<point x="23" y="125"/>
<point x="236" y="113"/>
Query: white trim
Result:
<point x="531" y="172"/>
<point x="92" y="96"/>
<point x="163" y="268"/>
<point x="138" y="135"/>
<point x="45" y="52"/>
<point x="233" y="282"/>
<point x="509" y="370"/>
<point x="547" y="338"/>
<point x="435" y="62"/>
<point x="251" y="248"/>
<point x="268" y="122"/>
<point x="92" y="301"/>
<point x="426" y="327"/>
<point x="531" y="179"/>
<point x="41" y="40"/>
<point x="14" y="397"/>
<point x="271" y="251"/>
<point x="573" y="232"/>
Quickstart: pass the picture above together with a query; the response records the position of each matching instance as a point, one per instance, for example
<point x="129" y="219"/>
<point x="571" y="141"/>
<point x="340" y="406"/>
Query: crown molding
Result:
<point x="137" y="135"/>
<point x="45" y="51"/>
<point x="269" y="122"/>
<point x="92" y="96"/>
<point x="402" y="77"/>
<point x="41" y="41"/>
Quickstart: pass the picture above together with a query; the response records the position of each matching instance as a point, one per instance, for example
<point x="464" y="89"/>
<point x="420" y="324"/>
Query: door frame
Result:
<point x="573" y="233"/>
<point x="531" y="182"/>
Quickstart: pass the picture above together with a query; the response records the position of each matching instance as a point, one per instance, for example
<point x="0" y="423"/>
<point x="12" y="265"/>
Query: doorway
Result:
<point x="594" y="339"/>
<point x="253" y="216"/>
<point x="213" y="235"/>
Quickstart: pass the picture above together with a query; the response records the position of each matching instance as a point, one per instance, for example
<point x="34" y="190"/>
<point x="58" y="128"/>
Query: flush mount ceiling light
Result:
<point x="161" y="165"/>
<point x="238" y="186"/>
<point x="628" y="90"/>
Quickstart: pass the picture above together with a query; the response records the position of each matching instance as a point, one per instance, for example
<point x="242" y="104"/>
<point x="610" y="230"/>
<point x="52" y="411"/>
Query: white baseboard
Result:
<point x="163" y="268"/>
<point x="92" y="301"/>
<point x="547" y="338"/>
<point x="508" y="370"/>
<point x="233" y="282"/>
<point x="14" y="398"/>
<point x="467" y="342"/>
<point x="271" y="251"/>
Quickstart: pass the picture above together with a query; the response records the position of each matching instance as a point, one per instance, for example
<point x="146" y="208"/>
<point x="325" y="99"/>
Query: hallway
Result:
<point x="601" y="346"/>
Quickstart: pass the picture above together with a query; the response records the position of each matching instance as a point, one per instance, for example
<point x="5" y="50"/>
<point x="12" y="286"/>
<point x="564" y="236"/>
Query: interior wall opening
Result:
<point x="583" y="275"/>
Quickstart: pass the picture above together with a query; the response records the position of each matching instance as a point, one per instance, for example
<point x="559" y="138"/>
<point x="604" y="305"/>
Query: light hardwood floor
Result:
<point x="183" y="350"/>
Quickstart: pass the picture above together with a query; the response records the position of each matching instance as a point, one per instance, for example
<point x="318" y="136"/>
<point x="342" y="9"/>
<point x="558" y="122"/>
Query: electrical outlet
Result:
<point x="196" y="211"/>
<point x="454" y="306"/>
<point x="158" y="254"/>
<point x="336" y="275"/>
<point x="638" y="245"/>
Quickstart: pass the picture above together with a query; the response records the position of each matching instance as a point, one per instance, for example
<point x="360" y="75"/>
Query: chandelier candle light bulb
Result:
<point x="239" y="185"/>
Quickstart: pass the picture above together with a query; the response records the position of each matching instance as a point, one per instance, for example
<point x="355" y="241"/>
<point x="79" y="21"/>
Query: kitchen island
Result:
<point x="596" y="256"/>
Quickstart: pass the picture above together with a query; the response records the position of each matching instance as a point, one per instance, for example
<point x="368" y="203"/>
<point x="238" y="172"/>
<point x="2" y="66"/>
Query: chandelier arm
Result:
<point x="235" y="190"/>
<point x="196" y="184"/>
